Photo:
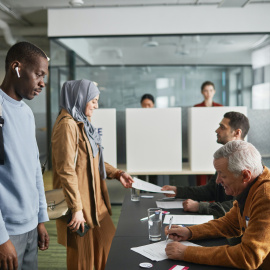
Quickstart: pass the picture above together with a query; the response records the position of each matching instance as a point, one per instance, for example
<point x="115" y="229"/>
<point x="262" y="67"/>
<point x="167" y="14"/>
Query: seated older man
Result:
<point x="241" y="173"/>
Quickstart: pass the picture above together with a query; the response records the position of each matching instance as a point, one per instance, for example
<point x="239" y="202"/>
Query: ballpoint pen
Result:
<point x="163" y="212"/>
<point x="170" y="225"/>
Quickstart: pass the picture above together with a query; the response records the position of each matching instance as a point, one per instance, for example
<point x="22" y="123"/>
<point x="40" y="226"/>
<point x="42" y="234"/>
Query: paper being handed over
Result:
<point x="142" y="185"/>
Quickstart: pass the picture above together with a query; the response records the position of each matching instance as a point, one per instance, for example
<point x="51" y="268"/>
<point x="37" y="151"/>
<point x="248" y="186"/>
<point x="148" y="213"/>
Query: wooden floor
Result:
<point x="55" y="257"/>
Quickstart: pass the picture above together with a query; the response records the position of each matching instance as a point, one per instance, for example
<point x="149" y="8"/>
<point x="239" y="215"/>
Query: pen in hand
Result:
<point x="170" y="225"/>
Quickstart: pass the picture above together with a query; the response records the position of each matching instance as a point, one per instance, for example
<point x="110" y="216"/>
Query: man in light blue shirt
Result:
<point x="23" y="208"/>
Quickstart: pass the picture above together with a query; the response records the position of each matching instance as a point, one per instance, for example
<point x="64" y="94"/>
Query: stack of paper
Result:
<point x="188" y="219"/>
<point x="170" y="204"/>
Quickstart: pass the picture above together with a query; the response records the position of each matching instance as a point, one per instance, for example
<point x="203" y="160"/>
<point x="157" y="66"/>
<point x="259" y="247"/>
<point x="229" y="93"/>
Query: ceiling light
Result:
<point x="76" y="3"/>
<point x="150" y="43"/>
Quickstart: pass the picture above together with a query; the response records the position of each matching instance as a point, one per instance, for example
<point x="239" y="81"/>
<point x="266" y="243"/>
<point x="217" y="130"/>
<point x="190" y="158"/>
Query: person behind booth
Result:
<point x="208" y="91"/>
<point x="234" y="126"/>
<point x="23" y="208"/>
<point x="83" y="179"/>
<point x="147" y="101"/>
<point x="242" y="175"/>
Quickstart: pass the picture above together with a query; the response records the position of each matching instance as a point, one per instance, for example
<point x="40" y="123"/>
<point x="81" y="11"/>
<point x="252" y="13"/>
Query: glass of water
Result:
<point x="154" y="223"/>
<point x="135" y="194"/>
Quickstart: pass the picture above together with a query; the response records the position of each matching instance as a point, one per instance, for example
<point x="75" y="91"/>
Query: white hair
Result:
<point x="241" y="156"/>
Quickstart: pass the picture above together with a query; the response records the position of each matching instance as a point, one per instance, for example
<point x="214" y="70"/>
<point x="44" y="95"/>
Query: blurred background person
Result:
<point x="147" y="101"/>
<point x="208" y="91"/>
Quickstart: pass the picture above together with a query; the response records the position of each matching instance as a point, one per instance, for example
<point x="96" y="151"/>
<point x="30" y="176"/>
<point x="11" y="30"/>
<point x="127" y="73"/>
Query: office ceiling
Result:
<point x="27" y="20"/>
<point x="170" y="50"/>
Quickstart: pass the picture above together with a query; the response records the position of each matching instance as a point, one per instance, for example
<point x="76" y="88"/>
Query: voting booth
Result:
<point x="154" y="140"/>
<point x="202" y="124"/>
<point x="104" y="120"/>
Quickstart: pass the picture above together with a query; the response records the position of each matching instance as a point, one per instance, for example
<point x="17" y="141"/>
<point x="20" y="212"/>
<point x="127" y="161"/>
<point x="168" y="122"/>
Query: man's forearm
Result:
<point x="217" y="209"/>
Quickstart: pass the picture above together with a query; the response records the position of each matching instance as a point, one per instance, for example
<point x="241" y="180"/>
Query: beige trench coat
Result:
<point x="78" y="182"/>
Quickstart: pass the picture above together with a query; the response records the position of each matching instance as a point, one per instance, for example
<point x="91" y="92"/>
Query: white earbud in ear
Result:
<point x="17" y="70"/>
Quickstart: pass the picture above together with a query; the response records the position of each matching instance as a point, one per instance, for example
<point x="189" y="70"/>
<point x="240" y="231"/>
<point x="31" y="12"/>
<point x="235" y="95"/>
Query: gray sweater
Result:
<point x="22" y="198"/>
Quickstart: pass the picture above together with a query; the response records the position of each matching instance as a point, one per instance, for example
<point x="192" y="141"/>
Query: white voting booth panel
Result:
<point x="154" y="140"/>
<point x="104" y="120"/>
<point x="203" y="122"/>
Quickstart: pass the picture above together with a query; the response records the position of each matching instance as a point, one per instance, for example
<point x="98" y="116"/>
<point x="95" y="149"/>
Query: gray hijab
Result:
<point x="74" y="97"/>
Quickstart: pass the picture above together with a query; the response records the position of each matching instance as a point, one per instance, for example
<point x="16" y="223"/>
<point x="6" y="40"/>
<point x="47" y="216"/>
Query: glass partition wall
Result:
<point x="171" y="68"/>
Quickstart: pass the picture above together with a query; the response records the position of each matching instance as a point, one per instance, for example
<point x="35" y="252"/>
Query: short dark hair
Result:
<point x="207" y="83"/>
<point x="238" y="121"/>
<point x="23" y="51"/>
<point x="147" y="96"/>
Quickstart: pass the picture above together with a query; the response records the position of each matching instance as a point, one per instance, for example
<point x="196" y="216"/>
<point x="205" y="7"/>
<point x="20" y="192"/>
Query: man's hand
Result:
<point x="43" y="237"/>
<point x="8" y="256"/>
<point x="191" y="206"/>
<point x="178" y="233"/>
<point x="126" y="180"/>
<point x="77" y="220"/>
<point x="167" y="187"/>
<point x="175" y="251"/>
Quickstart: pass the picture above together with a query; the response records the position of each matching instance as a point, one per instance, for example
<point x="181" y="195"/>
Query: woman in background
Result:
<point x="147" y="101"/>
<point x="79" y="168"/>
<point x="208" y="91"/>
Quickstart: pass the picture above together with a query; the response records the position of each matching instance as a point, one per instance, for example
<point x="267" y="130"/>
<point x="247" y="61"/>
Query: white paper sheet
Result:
<point x="156" y="251"/>
<point x="143" y="185"/>
<point x="188" y="219"/>
<point x="170" y="204"/>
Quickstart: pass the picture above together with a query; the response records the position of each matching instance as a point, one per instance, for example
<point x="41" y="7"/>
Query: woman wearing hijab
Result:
<point x="79" y="168"/>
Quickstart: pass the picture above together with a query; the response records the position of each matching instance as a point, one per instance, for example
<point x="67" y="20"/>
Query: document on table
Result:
<point x="156" y="251"/>
<point x="143" y="185"/>
<point x="170" y="204"/>
<point x="188" y="219"/>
